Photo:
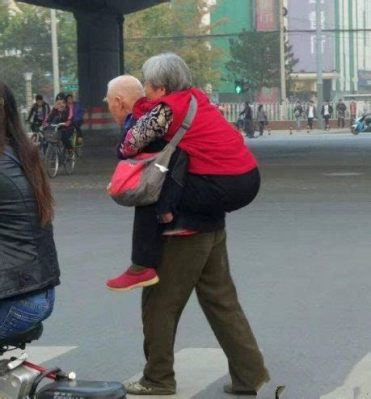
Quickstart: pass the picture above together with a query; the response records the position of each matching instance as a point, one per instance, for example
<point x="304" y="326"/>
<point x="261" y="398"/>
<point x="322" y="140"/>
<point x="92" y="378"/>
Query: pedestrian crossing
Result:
<point x="357" y="385"/>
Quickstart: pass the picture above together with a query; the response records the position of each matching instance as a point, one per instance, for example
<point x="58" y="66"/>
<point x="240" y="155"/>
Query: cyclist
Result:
<point x="77" y="116"/>
<point x="61" y="114"/>
<point x="38" y="113"/>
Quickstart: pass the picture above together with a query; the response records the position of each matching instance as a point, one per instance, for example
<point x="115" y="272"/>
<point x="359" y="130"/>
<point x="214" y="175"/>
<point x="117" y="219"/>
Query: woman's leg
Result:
<point x="147" y="241"/>
<point x="213" y="195"/>
<point x="21" y="313"/>
<point x="66" y="135"/>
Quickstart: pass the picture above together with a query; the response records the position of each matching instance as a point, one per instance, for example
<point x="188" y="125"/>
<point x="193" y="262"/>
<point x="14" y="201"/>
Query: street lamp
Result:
<point x="55" y="55"/>
<point x="28" y="79"/>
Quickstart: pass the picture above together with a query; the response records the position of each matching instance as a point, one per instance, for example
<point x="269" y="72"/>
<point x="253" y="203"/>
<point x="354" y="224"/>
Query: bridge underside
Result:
<point x="99" y="44"/>
<point x="106" y="6"/>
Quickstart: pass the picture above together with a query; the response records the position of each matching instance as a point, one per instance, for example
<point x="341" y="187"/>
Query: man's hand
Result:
<point x="167" y="217"/>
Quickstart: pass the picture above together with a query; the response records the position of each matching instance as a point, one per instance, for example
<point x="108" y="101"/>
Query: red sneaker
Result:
<point x="129" y="280"/>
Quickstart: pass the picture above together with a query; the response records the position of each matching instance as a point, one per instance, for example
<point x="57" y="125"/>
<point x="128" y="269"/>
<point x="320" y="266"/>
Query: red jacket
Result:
<point x="214" y="146"/>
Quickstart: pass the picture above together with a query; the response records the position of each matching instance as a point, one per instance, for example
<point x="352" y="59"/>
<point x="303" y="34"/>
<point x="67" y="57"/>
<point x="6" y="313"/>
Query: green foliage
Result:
<point x="168" y="27"/>
<point x="25" y="46"/>
<point x="256" y="58"/>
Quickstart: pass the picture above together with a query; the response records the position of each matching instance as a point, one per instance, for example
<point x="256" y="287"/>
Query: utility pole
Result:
<point x="282" y="50"/>
<point x="53" y="26"/>
<point x="319" y="62"/>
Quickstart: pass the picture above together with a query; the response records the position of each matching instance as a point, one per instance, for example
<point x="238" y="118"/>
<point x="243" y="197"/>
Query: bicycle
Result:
<point x="38" y="139"/>
<point x="56" y="154"/>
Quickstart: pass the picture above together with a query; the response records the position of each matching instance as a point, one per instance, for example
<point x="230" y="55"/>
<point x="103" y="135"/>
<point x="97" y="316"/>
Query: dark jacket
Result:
<point x="28" y="257"/>
<point x="35" y="117"/>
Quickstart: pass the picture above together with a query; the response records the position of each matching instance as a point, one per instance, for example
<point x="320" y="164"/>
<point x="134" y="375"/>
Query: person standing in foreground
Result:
<point x="198" y="262"/>
<point x="29" y="268"/>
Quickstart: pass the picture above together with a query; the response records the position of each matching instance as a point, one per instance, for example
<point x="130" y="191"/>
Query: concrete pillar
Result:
<point x="100" y="53"/>
<point x="100" y="58"/>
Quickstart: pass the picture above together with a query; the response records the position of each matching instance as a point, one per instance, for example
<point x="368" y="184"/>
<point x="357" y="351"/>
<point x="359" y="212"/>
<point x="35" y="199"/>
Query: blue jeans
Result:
<point x="19" y="314"/>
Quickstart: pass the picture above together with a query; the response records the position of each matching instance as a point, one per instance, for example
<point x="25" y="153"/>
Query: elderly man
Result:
<point x="197" y="262"/>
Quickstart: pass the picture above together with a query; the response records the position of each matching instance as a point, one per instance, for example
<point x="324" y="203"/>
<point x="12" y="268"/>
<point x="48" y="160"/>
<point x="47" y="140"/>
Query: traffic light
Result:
<point x="241" y="86"/>
<point x="238" y="86"/>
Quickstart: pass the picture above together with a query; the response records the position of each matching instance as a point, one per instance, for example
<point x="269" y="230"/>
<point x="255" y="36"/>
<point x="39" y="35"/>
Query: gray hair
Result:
<point x="169" y="71"/>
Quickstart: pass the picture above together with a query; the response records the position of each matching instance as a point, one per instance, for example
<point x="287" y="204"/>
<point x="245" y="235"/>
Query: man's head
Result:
<point x="122" y="93"/>
<point x="39" y="100"/>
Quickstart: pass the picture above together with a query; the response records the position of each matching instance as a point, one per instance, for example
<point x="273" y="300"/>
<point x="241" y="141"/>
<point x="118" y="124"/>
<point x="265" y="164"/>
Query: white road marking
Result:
<point x="342" y="174"/>
<point x="41" y="354"/>
<point x="195" y="369"/>
<point x="357" y="384"/>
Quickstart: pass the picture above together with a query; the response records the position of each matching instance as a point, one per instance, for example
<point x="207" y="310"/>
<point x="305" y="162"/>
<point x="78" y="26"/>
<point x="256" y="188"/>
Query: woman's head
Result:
<point x="164" y="74"/>
<point x="60" y="101"/>
<point x="12" y="134"/>
<point x="260" y="107"/>
<point x="69" y="99"/>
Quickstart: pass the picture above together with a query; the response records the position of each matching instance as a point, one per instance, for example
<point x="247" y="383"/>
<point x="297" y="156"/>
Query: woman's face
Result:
<point x="153" y="93"/>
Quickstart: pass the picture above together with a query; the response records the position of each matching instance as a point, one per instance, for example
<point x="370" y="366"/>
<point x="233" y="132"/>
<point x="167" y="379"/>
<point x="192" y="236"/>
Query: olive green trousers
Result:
<point x="198" y="262"/>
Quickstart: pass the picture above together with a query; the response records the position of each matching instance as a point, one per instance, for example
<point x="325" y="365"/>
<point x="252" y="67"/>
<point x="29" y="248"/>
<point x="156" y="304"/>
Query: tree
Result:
<point x="25" y="46"/>
<point x="174" y="27"/>
<point x="256" y="58"/>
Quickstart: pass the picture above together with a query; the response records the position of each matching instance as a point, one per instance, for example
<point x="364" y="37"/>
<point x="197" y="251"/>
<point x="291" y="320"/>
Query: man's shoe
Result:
<point x="137" y="388"/>
<point x="129" y="280"/>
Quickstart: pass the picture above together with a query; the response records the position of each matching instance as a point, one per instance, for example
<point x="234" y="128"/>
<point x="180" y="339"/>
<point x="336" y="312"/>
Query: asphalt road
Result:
<point x="300" y="257"/>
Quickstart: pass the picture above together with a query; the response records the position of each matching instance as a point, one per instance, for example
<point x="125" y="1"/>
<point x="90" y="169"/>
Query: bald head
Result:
<point x="122" y="93"/>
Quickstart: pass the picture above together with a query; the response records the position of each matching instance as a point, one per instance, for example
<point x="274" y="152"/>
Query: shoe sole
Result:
<point x="147" y="283"/>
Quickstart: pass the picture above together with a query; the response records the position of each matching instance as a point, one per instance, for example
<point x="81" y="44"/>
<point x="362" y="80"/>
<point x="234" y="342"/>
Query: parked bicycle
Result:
<point x="57" y="154"/>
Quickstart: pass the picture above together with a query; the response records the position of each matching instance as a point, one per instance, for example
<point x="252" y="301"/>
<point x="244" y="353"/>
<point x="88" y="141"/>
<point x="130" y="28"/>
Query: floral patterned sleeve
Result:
<point x="148" y="128"/>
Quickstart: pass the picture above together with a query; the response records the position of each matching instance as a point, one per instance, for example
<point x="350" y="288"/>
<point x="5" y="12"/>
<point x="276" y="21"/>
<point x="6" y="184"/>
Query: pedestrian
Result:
<point x="38" y="113"/>
<point x="76" y="115"/>
<point x="326" y="112"/>
<point x="340" y="109"/>
<point x="311" y="114"/>
<point x="353" y="111"/>
<point x="199" y="261"/>
<point x="213" y="193"/>
<point x="28" y="259"/>
<point x="246" y="124"/>
<point x="262" y="119"/>
<point x="298" y="112"/>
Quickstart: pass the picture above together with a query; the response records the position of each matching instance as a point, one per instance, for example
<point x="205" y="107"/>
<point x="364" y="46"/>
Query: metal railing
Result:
<point x="285" y="111"/>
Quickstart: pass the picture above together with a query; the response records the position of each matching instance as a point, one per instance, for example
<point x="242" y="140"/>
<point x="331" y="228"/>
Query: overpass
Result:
<point x="99" y="45"/>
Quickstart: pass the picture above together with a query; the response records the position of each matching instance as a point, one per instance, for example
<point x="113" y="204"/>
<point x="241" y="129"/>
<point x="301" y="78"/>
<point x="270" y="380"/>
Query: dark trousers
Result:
<point x="341" y="121"/>
<point x="310" y="123"/>
<point x="203" y="197"/>
<point x="198" y="263"/>
<point x="66" y="135"/>
<point x="327" y="120"/>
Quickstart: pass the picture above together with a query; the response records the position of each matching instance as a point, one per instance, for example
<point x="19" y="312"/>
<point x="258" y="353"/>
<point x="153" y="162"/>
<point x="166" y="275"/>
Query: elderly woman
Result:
<point x="219" y="162"/>
<point x="29" y="268"/>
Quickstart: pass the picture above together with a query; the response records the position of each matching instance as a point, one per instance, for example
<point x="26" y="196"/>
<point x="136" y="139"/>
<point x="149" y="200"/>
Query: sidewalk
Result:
<point x="304" y="132"/>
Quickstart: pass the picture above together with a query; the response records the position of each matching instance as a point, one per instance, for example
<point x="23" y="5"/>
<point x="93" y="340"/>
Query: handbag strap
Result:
<point x="186" y="124"/>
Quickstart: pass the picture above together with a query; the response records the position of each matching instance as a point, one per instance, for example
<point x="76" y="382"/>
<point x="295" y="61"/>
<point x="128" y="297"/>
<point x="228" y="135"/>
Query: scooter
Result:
<point x="362" y="124"/>
<point x="20" y="379"/>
